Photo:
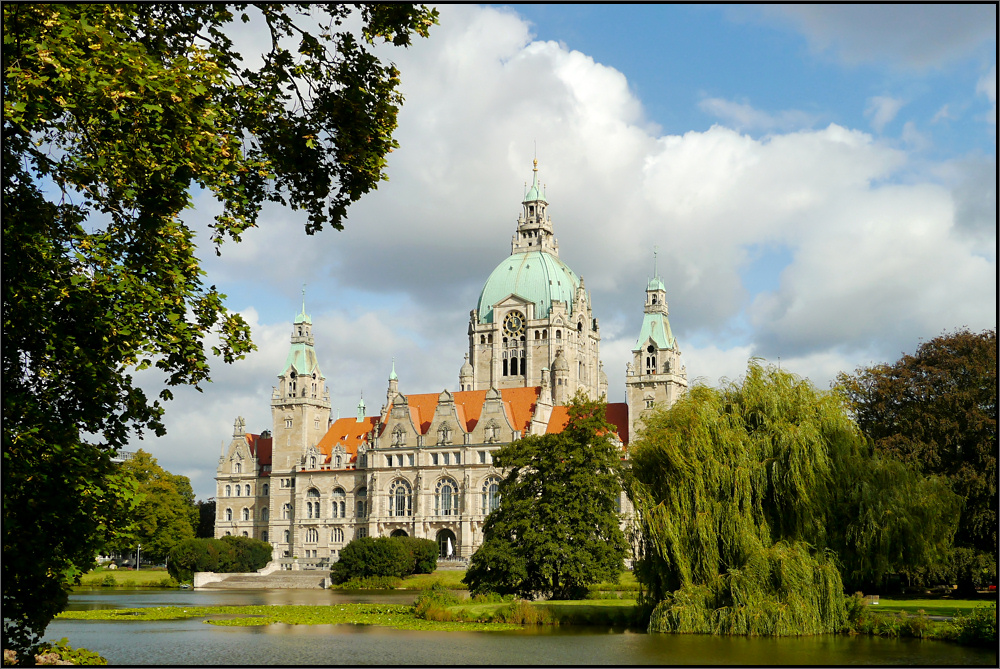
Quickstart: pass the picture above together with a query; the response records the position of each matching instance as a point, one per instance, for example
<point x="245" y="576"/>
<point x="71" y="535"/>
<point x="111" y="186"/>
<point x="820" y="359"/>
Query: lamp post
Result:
<point x="137" y="557"/>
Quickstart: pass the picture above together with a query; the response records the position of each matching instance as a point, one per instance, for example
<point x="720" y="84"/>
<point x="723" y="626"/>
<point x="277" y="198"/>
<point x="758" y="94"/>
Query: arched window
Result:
<point x="246" y="513"/>
<point x="263" y="535"/>
<point x="446" y="498"/>
<point x="229" y="491"/>
<point x="286" y="511"/>
<point x="339" y="503"/>
<point x="265" y="489"/>
<point x="400" y="499"/>
<point x="248" y="489"/>
<point x="312" y="462"/>
<point x="312" y="535"/>
<point x="229" y="514"/>
<point x="237" y="468"/>
<point x="265" y="513"/>
<point x="239" y="489"/>
<point x="506" y="371"/>
<point x="361" y="502"/>
<point x="287" y="536"/>
<point x="245" y="534"/>
<point x="337" y="462"/>
<point x="491" y="494"/>
<point x="558" y="334"/>
<point x="338" y="536"/>
<point x="312" y="505"/>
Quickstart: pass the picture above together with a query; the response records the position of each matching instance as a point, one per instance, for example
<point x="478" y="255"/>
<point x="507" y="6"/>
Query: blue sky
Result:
<point x="820" y="182"/>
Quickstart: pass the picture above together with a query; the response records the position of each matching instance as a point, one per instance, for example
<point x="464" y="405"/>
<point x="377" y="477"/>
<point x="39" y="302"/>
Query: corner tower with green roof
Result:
<point x="300" y="413"/>
<point x="531" y="308"/>
<point x="655" y="377"/>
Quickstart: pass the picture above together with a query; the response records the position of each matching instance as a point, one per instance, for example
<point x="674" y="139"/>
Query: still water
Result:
<point x="192" y="641"/>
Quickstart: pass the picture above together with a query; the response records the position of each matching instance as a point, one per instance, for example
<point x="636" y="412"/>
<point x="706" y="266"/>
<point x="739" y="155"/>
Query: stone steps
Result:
<point x="279" y="579"/>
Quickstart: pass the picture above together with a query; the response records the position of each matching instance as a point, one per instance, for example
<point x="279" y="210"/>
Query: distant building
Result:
<point x="423" y="465"/>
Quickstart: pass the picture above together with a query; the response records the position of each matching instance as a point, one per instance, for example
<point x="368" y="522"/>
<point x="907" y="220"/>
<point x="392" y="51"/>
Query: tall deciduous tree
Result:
<point x="937" y="410"/>
<point x="112" y="113"/>
<point x="557" y="529"/>
<point x="166" y="513"/>
<point x="757" y="501"/>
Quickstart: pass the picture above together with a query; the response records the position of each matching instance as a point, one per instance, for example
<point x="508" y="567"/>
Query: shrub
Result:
<point x="978" y="628"/>
<point x="424" y="553"/>
<point x="431" y="603"/>
<point x="229" y="554"/>
<point x="492" y="598"/>
<point x="521" y="612"/>
<point x="393" y="557"/>
<point x="51" y="654"/>
<point x="370" y="583"/>
<point x="247" y="554"/>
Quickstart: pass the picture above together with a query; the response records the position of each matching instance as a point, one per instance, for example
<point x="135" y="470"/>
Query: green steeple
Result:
<point x="535" y="192"/>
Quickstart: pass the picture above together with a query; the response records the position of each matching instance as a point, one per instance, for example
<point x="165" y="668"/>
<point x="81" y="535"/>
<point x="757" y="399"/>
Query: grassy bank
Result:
<point x="931" y="607"/>
<point x="386" y="615"/>
<point x="123" y="578"/>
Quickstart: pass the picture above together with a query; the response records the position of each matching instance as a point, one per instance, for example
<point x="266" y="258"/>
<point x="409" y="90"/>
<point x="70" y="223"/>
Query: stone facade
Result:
<point x="423" y="465"/>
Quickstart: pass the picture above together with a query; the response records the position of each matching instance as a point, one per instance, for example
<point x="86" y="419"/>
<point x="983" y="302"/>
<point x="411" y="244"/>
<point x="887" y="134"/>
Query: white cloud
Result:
<point x="875" y="264"/>
<point x="742" y="116"/>
<point x="881" y="109"/>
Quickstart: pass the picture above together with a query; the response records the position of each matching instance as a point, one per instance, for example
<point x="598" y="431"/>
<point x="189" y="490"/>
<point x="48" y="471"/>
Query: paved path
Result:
<point x="279" y="579"/>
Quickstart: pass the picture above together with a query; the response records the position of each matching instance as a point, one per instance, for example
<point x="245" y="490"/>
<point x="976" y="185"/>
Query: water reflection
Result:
<point x="194" y="642"/>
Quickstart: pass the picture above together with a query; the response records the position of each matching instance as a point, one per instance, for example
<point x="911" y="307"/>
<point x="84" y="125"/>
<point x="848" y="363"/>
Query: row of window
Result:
<point x="312" y="536"/>
<point x="264" y="490"/>
<point x="446" y="497"/>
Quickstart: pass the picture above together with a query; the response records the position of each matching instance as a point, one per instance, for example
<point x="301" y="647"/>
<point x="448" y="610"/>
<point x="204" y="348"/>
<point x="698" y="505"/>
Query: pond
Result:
<point x="191" y="641"/>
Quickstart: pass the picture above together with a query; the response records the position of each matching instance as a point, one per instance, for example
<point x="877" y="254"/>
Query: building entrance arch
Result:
<point x="447" y="544"/>
<point x="399" y="533"/>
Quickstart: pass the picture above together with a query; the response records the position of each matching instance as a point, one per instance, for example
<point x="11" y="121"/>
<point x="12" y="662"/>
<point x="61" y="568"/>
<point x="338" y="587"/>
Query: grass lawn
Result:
<point x="449" y="578"/>
<point x="452" y="579"/>
<point x="932" y="607"/>
<point x="626" y="583"/>
<point x="123" y="578"/>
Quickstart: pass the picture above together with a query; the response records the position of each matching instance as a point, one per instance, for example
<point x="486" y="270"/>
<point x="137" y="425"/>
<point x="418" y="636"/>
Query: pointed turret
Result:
<point x="655" y="377"/>
<point x="534" y="227"/>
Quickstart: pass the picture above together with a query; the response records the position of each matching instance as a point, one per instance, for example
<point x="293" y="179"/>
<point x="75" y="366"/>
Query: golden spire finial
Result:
<point x="535" y="161"/>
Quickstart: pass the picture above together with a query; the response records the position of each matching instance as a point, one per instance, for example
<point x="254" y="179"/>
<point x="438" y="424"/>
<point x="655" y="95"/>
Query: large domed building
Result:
<point x="422" y="466"/>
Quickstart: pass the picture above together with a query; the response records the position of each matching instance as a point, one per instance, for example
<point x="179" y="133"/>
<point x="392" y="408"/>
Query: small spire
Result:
<point x="303" y="298"/>
<point x="392" y="374"/>
<point x="655" y="251"/>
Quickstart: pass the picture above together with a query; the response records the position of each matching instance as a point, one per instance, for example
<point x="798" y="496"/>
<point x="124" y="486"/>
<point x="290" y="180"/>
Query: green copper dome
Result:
<point x="536" y="276"/>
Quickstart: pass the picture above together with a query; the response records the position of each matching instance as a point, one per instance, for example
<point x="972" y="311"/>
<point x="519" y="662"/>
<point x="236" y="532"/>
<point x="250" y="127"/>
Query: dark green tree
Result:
<point x="754" y="499"/>
<point x="937" y="411"/>
<point x="166" y="514"/>
<point x="206" y="519"/>
<point x="112" y="113"/>
<point x="557" y="529"/>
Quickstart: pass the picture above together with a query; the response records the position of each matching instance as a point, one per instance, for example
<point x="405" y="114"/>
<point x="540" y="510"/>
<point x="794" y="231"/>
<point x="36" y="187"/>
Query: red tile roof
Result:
<point x="519" y="404"/>
<point x="260" y="448"/>
<point x="346" y="432"/>
<point x="617" y="415"/>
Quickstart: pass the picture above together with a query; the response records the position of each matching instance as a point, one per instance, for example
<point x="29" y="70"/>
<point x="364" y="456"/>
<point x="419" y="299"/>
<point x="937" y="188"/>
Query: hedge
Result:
<point x="393" y="557"/>
<point x="225" y="555"/>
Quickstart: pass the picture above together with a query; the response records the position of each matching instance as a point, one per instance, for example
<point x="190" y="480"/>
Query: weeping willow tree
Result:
<point x="752" y="500"/>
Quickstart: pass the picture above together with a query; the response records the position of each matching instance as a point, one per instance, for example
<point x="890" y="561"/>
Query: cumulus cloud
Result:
<point x="909" y="35"/>
<point x="873" y="261"/>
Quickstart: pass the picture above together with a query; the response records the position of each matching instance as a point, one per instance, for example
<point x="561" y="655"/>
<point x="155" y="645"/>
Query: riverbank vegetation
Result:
<point x="226" y="555"/>
<point x="127" y="578"/>
<point x="937" y="411"/>
<point x="757" y="501"/>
